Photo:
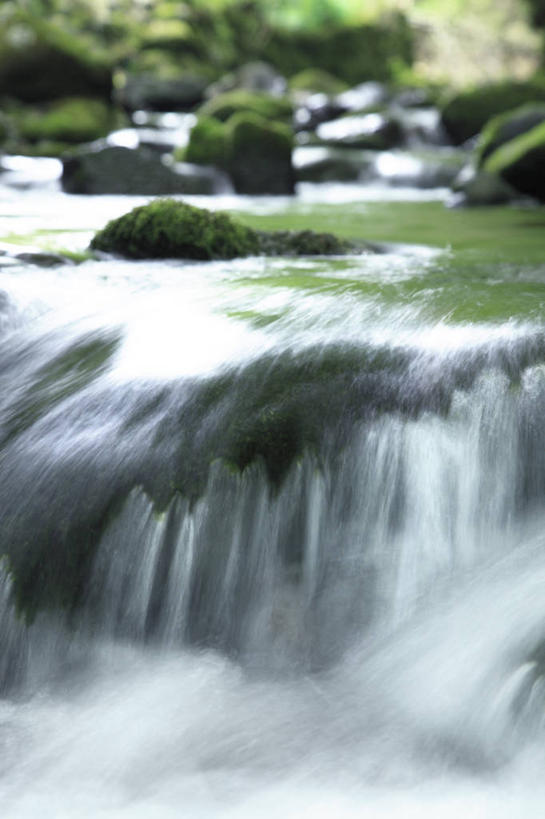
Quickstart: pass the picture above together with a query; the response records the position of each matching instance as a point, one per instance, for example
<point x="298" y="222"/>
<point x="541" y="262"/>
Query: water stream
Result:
<point x="273" y="530"/>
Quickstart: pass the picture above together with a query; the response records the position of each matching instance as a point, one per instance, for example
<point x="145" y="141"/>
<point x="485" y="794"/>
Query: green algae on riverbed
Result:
<point x="493" y="234"/>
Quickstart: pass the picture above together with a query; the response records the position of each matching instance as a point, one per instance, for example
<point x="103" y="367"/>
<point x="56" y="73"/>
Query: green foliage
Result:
<point x="169" y="229"/>
<point x="225" y="105"/>
<point x="465" y="114"/>
<point x="352" y="53"/>
<point x="72" y="120"/>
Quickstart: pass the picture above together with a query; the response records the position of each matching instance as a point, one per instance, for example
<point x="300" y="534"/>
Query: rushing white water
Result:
<point x="353" y="623"/>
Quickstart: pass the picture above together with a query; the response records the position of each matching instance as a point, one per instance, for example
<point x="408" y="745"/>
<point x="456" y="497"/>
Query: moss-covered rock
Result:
<point x="170" y="229"/>
<point x="507" y="126"/>
<point x="208" y="143"/>
<point x="254" y="151"/>
<point x="68" y="121"/>
<point x="521" y="162"/>
<point x="465" y="114"/>
<point x="260" y="155"/>
<point x="317" y="81"/>
<point x="265" y="105"/>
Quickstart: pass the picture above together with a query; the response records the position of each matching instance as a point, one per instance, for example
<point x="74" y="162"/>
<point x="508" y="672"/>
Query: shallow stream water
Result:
<point x="274" y="529"/>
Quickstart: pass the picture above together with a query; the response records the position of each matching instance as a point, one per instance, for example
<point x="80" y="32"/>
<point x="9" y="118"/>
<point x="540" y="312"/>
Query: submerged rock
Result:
<point x="170" y="229"/>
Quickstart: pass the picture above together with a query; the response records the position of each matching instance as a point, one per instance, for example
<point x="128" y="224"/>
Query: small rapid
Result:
<point x="272" y="535"/>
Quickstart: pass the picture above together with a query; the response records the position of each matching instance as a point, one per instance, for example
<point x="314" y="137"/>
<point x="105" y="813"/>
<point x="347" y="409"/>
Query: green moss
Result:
<point x="521" y="162"/>
<point x="170" y="229"/>
<point x="260" y="155"/>
<point x="166" y="228"/>
<point x="317" y="80"/>
<point x="65" y="375"/>
<point x="208" y="143"/>
<point x="465" y="114"/>
<point x="265" y="105"/>
<point x="303" y="243"/>
<point x="67" y="121"/>
<point x="505" y="127"/>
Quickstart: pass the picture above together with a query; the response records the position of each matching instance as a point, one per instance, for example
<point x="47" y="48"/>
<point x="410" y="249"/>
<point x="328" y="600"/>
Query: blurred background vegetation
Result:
<point x="450" y="41"/>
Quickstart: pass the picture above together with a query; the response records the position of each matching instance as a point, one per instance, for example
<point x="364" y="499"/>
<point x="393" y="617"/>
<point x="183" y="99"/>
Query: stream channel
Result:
<point x="274" y="529"/>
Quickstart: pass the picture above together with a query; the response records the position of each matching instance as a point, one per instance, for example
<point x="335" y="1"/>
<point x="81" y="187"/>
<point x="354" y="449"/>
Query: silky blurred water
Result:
<point x="367" y="637"/>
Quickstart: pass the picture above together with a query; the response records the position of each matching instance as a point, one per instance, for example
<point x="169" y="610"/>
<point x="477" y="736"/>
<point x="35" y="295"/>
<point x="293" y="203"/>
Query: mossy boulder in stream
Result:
<point x="260" y="155"/>
<point x="521" y="162"/>
<point x="255" y="152"/>
<point x="465" y="114"/>
<point x="505" y="127"/>
<point x="170" y="229"/>
<point x="208" y="143"/>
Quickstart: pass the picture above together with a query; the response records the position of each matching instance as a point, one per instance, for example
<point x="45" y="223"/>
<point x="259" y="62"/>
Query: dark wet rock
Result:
<point x="101" y="169"/>
<point x="260" y="155"/>
<point x="43" y="259"/>
<point x="148" y="92"/>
